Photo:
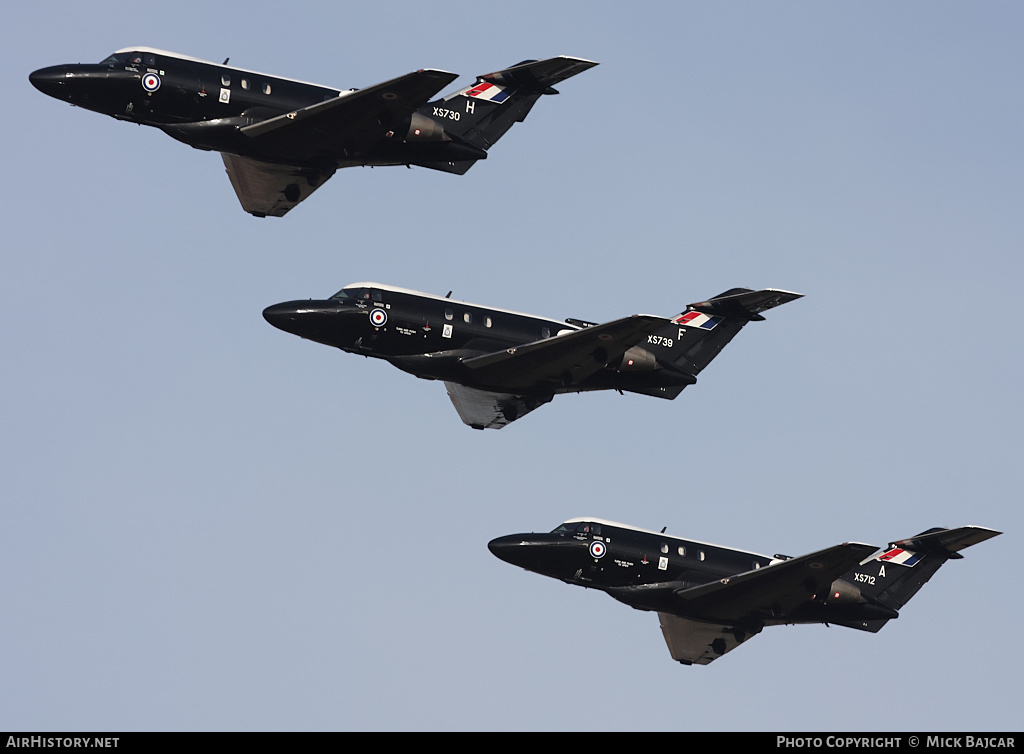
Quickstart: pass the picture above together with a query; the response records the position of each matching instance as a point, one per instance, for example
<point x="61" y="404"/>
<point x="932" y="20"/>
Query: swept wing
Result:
<point x="344" y="124"/>
<point x="711" y="619"/>
<point x="563" y="360"/>
<point x="356" y="116"/>
<point x="772" y="592"/>
<point x="268" y="190"/>
<point x="482" y="409"/>
<point x="695" y="642"/>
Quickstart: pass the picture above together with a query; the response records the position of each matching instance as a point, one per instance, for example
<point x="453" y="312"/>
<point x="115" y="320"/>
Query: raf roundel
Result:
<point x="597" y="549"/>
<point x="150" y="82"/>
<point x="378" y="317"/>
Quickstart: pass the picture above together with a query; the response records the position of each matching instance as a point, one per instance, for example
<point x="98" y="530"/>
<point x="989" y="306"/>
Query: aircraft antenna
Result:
<point x="225" y="61"/>
<point x="449" y="294"/>
<point x="663" y="529"/>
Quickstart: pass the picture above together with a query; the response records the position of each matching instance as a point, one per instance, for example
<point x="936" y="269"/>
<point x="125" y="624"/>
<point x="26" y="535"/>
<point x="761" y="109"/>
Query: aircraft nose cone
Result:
<point x="510" y="548"/>
<point x="49" y="80"/>
<point x="322" y="321"/>
<point x="281" y="316"/>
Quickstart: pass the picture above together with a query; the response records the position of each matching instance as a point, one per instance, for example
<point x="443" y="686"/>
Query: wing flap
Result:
<point x="564" y="359"/>
<point x="265" y="189"/>
<point x="481" y="409"/>
<point x="694" y="642"/>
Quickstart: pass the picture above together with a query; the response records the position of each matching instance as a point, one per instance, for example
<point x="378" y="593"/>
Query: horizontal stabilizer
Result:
<point x="669" y="393"/>
<point x="456" y="167"/>
<point x="743" y="302"/>
<point x="539" y="75"/>
<point x="949" y="541"/>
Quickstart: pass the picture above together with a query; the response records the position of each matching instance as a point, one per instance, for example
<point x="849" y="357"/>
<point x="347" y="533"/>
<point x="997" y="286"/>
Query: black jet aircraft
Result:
<point x="711" y="599"/>
<point x="500" y="365"/>
<point x="282" y="139"/>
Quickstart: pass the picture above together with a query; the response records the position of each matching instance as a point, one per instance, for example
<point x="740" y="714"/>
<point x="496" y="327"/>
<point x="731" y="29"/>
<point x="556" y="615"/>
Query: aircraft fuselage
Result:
<point x="712" y="599"/>
<point x="430" y="336"/>
<point x="621" y="560"/>
<point x="282" y="139"/>
<point x="205" y="105"/>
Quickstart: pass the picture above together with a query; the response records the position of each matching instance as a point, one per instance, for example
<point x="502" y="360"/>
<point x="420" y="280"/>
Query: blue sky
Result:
<point x="212" y="525"/>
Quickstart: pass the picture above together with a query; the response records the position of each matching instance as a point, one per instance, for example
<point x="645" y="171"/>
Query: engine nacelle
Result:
<point x="638" y="359"/>
<point x="424" y="128"/>
<point x="843" y="591"/>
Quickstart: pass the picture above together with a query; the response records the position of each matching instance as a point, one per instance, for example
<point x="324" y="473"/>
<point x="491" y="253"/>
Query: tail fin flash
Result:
<point x="891" y="578"/>
<point x="479" y="115"/>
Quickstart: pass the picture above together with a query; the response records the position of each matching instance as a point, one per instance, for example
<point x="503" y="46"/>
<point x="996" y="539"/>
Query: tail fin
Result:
<point x="891" y="578"/>
<point x="699" y="334"/>
<point x="479" y="115"/>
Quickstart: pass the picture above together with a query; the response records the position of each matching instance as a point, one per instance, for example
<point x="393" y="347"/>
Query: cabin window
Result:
<point x="135" y="58"/>
<point x="682" y="551"/>
<point x="487" y="321"/>
<point x="244" y="83"/>
<point x="448" y="314"/>
<point x="376" y="296"/>
<point x="664" y="549"/>
<point x="756" y="565"/>
<point x="545" y="332"/>
<point x="225" y="80"/>
<point x="467" y="317"/>
<point x="266" y="88"/>
<point x="702" y="555"/>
